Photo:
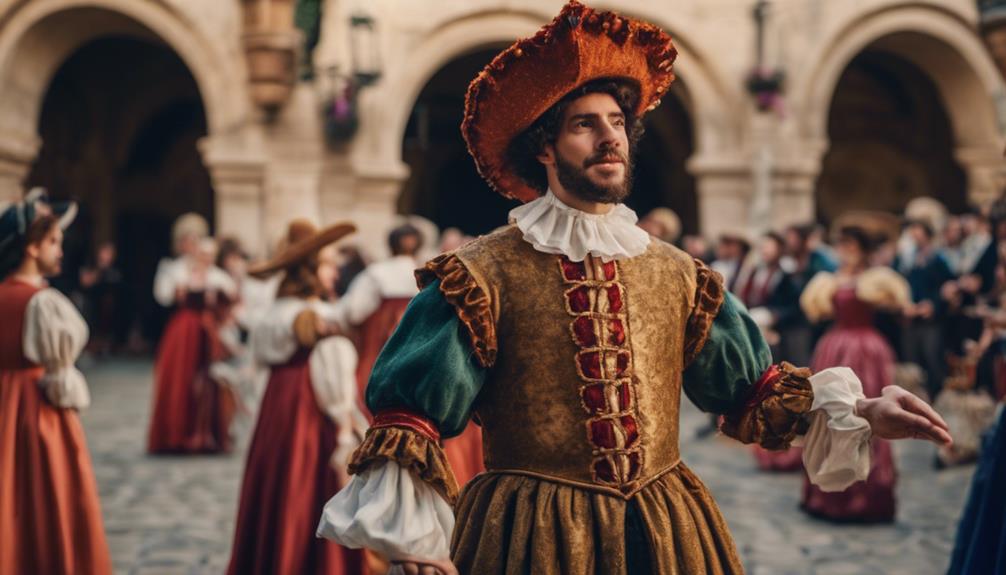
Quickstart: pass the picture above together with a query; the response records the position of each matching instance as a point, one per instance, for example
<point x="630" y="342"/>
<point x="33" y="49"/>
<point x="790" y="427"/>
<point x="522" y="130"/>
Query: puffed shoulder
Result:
<point x="884" y="288"/>
<point x="816" y="300"/>
<point x="709" y="296"/>
<point x="469" y="299"/>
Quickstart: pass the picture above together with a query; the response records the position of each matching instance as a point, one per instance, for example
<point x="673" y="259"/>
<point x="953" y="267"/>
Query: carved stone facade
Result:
<point x="750" y="169"/>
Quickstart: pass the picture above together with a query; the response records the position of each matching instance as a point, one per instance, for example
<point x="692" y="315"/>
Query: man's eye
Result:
<point x="583" y="124"/>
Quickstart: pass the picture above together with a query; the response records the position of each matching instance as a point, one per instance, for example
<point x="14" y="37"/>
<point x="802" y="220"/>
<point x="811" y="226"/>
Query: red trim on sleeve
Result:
<point x="409" y="420"/>
<point x="764" y="386"/>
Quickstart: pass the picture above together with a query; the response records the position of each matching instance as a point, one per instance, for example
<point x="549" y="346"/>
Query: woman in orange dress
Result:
<point x="307" y="420"/>
<point x="192" y="412"/>
<point x="50" y="517"/>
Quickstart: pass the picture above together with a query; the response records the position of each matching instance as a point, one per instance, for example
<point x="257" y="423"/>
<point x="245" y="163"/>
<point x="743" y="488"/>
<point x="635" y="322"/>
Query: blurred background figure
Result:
<point x="309" y="422"/>
<point x="697" y="247"/>
<point x="663" y="224"/>
<point x="372" y="308"/>
<point x="192" y="413"/>
<point x="926" y="271"/>
<point x="773" y="299"/>
<point x="731" y="252"/>
<point x="850" y="297"/>
<point x="452" y="239"/>
<point x="104" y="301"/>
<point x="377" y="298"/>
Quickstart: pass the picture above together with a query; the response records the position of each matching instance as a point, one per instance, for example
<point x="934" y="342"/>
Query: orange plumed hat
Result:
<point x="525" y="80"/>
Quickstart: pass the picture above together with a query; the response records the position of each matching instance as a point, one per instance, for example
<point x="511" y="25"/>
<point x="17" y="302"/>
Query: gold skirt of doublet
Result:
<point x="509" y="524"/>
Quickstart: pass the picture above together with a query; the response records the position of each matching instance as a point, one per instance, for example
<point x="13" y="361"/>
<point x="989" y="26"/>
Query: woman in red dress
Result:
<point x="851" y="297"/>
<point x="308" y="420"/>
<point x="192" y="412"/>
<point x="50" y="517"/>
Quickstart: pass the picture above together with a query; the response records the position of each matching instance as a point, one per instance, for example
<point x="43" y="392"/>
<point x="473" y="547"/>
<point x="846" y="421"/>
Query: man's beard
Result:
<point x="574" y="179"/>
<point x="49" y="269"/>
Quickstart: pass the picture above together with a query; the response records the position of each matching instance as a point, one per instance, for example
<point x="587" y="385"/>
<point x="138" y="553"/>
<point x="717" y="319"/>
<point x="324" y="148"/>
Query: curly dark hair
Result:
<point x="523" y="152"/>
<point x="14" y="254"/>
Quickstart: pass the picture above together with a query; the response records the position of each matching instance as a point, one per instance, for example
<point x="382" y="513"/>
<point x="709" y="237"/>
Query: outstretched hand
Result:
<point x="898" y="414"/>
<point x="426" y="567"/>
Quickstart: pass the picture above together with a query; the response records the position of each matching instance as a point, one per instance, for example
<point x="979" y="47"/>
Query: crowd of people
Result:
<point x="915" y="299"/>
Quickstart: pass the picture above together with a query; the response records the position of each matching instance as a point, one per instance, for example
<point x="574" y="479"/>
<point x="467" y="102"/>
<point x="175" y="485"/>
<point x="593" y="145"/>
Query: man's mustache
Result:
<point x="606" y="157"/>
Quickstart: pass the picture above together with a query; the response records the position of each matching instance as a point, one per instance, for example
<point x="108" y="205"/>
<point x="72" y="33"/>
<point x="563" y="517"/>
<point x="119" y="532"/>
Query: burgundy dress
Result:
<point x="853" y="342"/>
<point x="192" y="413"/>
<point x="287" y="481"/>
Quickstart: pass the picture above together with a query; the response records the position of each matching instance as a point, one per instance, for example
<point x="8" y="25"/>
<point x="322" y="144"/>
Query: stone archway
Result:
<point x="37" y="37"/>
<point x="890" y="141"/>
<point x="946" y="49"/>
<point x="119" y="128"/>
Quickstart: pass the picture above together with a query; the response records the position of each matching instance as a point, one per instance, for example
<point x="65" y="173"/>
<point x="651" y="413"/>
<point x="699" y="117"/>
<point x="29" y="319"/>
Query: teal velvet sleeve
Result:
<point x="733" y="359"/>
<point x="428" y="365"/>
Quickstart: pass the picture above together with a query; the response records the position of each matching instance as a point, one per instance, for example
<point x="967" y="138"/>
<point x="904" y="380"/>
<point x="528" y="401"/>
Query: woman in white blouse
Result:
<point x="308" y="419"/>
<point x="192" y="412"/>
<point x="50" y="516"/>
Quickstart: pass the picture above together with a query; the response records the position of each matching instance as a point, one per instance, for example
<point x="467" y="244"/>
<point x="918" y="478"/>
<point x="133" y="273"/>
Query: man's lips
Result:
<point x="606" y="161"/>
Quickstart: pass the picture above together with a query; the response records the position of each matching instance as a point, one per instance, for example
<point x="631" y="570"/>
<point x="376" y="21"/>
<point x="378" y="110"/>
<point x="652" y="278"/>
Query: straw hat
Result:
<point x="303" y="239"/>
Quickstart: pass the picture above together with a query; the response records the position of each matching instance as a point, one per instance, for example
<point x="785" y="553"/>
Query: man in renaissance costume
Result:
<point x="569" y="336"/>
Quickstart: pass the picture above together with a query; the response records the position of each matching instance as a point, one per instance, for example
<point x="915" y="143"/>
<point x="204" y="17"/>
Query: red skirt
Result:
<point x="287" y="481"/>
<point x="370" y="339"/>
<point x="50" y="516"/>
<point x="192" y="413"/>
<point x="868" y="354"/>
<point x="464" y="453"/>
<point x="787" y="460"/>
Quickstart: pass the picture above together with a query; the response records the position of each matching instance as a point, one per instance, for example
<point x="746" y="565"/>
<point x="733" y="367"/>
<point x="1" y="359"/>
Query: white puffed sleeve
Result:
<point x="388" y="510"/>
<point x="272" y="340"/>
<point x="219" y="280"/>
<point x="333" y="378"/>
<point x="836" y="450"/>
<point x="54" y="336"/>
<point x="361" y="300"/>
<point x="166" y="281"/>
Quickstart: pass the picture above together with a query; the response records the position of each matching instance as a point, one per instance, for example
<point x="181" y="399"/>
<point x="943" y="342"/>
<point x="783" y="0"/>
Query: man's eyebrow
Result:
<point x="593" y="115"/>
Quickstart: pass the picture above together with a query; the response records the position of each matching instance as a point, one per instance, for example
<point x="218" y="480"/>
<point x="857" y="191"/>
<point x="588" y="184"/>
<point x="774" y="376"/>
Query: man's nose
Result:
<point x="609" y="136"/>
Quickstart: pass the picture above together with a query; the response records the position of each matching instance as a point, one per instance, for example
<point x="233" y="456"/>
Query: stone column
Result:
<point x="986" y="172"/>
<point x="723" y="187"/>
<point x="16" y="157"/>
<point x="374" y="206"/>
<point x="238" y="175"/>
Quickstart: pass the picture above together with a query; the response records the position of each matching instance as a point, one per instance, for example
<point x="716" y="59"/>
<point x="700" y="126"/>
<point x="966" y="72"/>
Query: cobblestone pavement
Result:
<point x="175" y="515"/>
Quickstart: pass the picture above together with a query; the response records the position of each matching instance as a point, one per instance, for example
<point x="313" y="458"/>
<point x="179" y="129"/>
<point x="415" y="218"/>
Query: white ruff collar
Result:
<point x="553" y="227"/>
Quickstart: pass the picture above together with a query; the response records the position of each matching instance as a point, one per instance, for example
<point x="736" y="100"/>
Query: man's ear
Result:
<point x="31" y="250"/>
<point x="547" y="155"/>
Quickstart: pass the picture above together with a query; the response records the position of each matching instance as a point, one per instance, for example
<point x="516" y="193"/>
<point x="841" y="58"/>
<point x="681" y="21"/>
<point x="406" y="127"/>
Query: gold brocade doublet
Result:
<point x="579" y="409"/>
<point x="586" y="383"/>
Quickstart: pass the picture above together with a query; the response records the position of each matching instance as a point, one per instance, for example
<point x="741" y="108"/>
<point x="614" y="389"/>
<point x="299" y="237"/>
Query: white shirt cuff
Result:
<point x="836" y="450"/>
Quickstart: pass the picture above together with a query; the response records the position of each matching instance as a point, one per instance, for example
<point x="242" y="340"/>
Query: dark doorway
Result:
<point x="445" y="187"/>
<point x="119" y="128"/>
<point x="891" y="140"/>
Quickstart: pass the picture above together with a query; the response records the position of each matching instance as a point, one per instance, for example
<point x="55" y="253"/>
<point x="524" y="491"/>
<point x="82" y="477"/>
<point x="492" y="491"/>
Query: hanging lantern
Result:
<point x="765" y="84"/>
<point x="365" y="50"/>
<point x="272" y="47"/>
<point x="340" y="109"/>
